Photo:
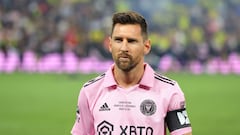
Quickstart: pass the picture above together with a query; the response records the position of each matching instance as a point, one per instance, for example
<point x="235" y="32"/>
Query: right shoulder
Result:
<point x="91" y="89"/>
<point x="94" y="81"/>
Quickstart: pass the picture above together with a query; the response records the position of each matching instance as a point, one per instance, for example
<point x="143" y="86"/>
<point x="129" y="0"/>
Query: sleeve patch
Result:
<point x="177" y="119"/>
<point x="77" y="115"/>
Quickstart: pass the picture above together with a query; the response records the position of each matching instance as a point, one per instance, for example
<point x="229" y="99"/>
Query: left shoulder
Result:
<point x="164" y="79"/>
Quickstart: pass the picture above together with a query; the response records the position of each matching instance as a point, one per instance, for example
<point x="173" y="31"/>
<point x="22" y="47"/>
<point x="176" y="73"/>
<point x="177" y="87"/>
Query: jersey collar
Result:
<point x="148" y="78"/>
<point x="145" y="83"/>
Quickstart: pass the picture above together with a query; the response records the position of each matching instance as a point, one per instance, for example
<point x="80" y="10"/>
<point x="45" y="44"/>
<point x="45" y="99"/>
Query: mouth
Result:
<point x="123" y="57"/>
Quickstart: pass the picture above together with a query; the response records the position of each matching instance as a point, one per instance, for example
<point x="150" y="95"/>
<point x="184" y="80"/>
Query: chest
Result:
<point x="131" y="107"/>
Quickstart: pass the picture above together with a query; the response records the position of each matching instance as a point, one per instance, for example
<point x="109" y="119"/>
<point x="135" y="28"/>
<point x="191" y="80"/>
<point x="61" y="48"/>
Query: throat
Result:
<point x="128" y="80"/>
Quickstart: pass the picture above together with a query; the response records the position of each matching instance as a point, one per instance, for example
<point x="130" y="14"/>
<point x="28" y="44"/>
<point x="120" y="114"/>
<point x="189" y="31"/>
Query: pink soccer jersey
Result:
<point x="148" y="108"/>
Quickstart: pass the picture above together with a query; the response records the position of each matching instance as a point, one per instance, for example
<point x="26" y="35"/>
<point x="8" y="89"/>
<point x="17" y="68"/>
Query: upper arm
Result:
<point x="177" y="119"/>
<point x="84" y="120"/>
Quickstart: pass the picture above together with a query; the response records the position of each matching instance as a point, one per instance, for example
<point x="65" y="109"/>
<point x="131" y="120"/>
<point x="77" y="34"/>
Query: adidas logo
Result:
<point x="104" y="107"/>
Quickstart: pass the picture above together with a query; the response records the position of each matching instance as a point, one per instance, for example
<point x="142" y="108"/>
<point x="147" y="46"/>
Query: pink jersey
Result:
<point x="147" y="108"/>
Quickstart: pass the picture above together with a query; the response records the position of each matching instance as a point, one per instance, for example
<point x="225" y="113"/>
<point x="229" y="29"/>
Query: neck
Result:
<point x="128" y="79"/>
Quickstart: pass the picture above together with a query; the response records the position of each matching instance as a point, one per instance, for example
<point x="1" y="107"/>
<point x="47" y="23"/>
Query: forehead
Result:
<point x="127" y="30"/>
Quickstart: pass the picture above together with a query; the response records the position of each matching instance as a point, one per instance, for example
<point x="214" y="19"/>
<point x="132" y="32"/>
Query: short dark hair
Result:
<point x="130" y="17"/>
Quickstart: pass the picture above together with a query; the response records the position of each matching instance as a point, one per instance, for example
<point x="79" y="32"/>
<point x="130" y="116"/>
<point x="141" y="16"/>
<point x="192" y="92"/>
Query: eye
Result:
<point x="118" y="40"/>
<point x="132" y="40"/>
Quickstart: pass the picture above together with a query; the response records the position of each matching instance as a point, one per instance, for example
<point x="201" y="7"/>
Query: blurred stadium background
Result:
<point x="49" y="48"/>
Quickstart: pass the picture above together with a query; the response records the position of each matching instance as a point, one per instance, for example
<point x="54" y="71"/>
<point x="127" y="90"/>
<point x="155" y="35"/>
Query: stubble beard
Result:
<point x="125" y="66"/>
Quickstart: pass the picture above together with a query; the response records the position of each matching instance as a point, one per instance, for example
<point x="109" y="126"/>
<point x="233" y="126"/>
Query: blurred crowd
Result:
<point x="181" y="31"/>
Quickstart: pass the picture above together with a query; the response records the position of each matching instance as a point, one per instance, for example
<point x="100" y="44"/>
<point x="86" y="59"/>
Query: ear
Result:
<point x="110" y="44"/>
<point x="147" y="46"/>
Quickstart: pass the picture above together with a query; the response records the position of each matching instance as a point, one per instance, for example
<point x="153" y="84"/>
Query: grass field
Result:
<point x="44" y="104"/>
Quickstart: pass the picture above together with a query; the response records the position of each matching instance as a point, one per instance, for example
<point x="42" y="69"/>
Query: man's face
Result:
<point x="128" y="46"/>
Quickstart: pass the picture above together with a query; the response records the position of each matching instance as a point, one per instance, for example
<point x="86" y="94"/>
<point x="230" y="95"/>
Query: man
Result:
<point x="130" y="98"/>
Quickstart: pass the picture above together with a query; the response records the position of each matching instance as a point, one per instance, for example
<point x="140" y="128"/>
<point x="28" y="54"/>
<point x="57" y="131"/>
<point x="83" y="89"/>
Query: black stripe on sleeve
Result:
<point x="94" y="80"/>
<point x="164" y="79"/>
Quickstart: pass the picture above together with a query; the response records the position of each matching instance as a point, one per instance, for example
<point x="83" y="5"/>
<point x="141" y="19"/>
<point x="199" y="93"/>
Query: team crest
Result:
<point x="148" y="107"/>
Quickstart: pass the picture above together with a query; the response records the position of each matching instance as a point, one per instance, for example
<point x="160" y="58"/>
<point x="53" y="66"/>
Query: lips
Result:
<point x="124" y="57"/>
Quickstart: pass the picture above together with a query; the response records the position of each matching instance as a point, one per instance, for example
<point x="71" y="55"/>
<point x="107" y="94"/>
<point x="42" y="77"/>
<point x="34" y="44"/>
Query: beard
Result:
<point x="125" y="62"/>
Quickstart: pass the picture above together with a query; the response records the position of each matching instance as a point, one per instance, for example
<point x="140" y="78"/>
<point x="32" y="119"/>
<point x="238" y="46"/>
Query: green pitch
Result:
<point x="45" y="104"/>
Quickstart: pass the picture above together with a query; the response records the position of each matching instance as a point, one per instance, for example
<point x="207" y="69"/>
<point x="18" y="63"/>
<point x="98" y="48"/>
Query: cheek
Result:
<point x="113" y="51"/>
<point x="140" y="51"/>
<point x="114" y="48"/>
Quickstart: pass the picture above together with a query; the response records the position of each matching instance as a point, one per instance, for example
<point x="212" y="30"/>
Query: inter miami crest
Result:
<point x="148" y="107"/>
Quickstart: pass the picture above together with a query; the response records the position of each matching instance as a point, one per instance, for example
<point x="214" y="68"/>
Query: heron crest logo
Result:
<point x="148" y="107"/>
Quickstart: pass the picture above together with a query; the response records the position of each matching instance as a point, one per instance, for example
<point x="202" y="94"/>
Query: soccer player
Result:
<point x="131" y="98"/>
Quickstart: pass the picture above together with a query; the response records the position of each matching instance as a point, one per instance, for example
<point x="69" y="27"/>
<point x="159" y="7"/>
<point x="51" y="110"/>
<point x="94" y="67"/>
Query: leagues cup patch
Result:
<point x="148" y="107"/>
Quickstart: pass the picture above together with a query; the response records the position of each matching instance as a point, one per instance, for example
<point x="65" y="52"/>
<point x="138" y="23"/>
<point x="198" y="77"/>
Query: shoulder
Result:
<point x="92" y="87"/>
<point x="95" y="81"/>
<point x="167" y="85"/>
<point x="164" y="80"/>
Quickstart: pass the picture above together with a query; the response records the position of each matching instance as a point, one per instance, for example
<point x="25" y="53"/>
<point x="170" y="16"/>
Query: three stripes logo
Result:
<point x="164" y="79"/>
<point x="104" y="107"/>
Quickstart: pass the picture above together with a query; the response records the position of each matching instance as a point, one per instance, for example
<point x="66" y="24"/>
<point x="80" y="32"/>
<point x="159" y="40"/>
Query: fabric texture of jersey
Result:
<point x="104" y="108"/>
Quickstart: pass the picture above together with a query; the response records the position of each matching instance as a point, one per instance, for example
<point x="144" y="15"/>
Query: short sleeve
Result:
<point x="84" y="124"/>
<point x="177" y="100"/>
<point x="177" y="119"/>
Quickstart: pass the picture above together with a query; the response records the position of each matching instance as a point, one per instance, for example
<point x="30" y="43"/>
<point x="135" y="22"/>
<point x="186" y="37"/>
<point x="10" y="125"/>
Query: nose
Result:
<point x="124" y="46"/>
